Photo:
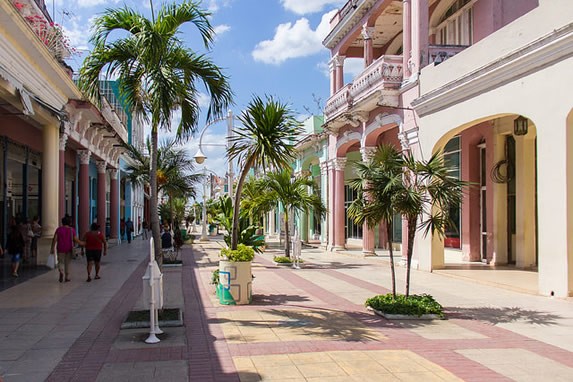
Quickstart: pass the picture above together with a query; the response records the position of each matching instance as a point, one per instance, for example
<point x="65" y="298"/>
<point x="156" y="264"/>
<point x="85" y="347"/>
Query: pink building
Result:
<point x="59" y="153"/>
<point x="483" y="81"/>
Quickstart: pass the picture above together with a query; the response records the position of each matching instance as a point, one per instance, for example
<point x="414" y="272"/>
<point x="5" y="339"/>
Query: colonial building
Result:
<point x="59" y="153"/>
<point x="484" y="82"/>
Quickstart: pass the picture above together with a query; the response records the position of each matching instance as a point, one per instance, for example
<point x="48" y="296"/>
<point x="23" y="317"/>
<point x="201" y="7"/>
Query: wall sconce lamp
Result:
<point x="520" y="125"/>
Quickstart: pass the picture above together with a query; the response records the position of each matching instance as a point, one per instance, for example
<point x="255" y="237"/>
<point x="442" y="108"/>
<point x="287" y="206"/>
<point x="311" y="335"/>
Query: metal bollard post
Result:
<point x="153" y="325"/>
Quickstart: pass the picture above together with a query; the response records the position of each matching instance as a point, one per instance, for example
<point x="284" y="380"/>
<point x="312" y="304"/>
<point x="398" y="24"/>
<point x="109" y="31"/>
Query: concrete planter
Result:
<point x="389" y="316"/>
<point x="237" y="276"/>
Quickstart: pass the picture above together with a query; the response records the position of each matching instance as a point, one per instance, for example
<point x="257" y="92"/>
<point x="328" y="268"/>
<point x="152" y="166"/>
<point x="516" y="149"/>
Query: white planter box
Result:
<point x="237" y="276"/>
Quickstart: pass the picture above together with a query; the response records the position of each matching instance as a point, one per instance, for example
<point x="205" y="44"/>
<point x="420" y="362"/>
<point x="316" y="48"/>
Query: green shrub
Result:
<point x="242" y="253"/>
<point x="284" y="260"/>
<point x="414" y="305"/>
<point x="215" y="277"/>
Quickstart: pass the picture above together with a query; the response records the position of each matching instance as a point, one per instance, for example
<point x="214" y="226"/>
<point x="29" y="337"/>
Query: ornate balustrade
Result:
<point x="384" y="73"/>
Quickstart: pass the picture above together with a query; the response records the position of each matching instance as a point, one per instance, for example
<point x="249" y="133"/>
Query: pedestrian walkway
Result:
<point x="303" y="325"/>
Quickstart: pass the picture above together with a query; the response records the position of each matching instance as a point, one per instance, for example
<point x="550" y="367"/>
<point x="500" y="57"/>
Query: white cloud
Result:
<point x="293" y="40"/>
<point x="78" y="32"/>
<point x="204" y="100"/>
<point x="220" y="29"/>
<point x="303" y="7"/>
<point x="91" y="3"/>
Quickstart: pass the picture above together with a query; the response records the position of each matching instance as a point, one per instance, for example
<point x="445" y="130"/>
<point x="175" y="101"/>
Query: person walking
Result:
<point x="15" y="247"/>
<point x="95" y="243"/>
<point x="144" y="227"/>
<point x="65" y="237"/>
<point x="128" y="229"/>
<point x="37" y="231"/>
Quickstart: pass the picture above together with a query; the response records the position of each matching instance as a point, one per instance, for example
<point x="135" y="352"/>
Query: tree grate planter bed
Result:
<point x="171" y="317"/>
<point x="391" y="316"/>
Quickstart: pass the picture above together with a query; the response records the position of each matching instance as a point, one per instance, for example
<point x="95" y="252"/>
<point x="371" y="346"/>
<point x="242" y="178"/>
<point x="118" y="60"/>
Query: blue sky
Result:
<point x="265" y="46"/>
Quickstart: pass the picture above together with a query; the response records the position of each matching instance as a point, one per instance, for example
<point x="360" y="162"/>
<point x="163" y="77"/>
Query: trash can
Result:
<point x="184" y="234"/>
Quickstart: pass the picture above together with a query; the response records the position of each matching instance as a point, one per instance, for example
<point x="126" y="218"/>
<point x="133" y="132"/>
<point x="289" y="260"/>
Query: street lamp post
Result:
<point x="204" y="236"/>
<point x="200" y="156"/>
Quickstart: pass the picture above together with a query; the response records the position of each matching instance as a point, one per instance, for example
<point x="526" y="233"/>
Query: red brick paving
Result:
<point x="209" y="356"/>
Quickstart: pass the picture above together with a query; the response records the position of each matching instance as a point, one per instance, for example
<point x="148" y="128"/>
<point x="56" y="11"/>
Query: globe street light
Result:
<point x="200" y="156"/>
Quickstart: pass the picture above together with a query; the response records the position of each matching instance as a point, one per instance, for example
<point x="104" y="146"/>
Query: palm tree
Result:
<point x="157" y="74"/>
<point x="421" y="191"/>
<point x="265" y="139"/>
<point x="175" y="167"/>
<point x="293" y="194"/>
<point x="375" y="187"/>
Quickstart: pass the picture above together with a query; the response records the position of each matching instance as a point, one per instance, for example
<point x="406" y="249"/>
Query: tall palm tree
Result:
<point x="265" y="139"/>
<point x="293" y="194"/>
<point x="175" y="169"/>
<point x="157" y="74"/>
<point x="376" y="185"/>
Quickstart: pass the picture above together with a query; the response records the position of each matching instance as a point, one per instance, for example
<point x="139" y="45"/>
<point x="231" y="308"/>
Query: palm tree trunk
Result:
<point x="154" y="212"/>
<point x="237" y="204"/>
<point x="411" y="235"/>
<point x="391" y="252"/>
<point x="287" y="238"/>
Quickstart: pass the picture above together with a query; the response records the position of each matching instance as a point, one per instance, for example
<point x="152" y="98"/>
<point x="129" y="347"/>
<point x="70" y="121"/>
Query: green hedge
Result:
<point x="414" y="305"/>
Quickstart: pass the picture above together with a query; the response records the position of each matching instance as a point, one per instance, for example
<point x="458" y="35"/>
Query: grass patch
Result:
<point x="284" y="260"/>
<point x="163" y="314"/>
<point x="414" y="305"/>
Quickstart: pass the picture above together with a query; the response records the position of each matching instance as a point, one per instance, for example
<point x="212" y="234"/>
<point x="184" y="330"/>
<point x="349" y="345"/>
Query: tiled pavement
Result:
<point x="303" y="325"/>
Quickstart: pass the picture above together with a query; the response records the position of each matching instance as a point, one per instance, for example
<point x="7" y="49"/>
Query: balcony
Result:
<point x="440" y="53"/>
<point x="383" y="74"/>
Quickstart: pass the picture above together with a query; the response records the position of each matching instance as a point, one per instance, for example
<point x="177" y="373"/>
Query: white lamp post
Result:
<point x="204" y="236"/>
<point x="200" y="156"/>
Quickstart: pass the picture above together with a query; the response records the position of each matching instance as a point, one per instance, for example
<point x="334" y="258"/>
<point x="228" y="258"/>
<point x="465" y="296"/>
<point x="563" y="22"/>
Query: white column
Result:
<point x="525" y="200"/>
<point x="555" y="201"/>
<point x="499" y="212"/>
<point x="50" y="179"/>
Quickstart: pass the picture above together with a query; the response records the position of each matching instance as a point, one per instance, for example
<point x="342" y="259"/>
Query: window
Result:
<point x="353" y="231"/>
<point x="456" y="26"/>
<point x="452" y="160"/>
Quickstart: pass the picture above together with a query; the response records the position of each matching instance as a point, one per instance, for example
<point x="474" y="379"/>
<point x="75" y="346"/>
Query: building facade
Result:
<point x="60" y="153"/>
<point x="483" y="82"/>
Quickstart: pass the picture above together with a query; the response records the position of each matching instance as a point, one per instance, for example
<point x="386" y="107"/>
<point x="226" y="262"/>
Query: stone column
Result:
<point x="84" y="194"/>
<point x="339" y="216"/>
<point x="339" y="72"/>
<point x="50" y="180"/>
<point x="332" y="71"/>
<point x="101" y="191"/>
<point x="419" y="35"/>
<point x="324" y="197"/>
<point x="114" y="205"/>
<point x="368" y="236"/>
<point x="367" y="33"/>
<point x="471" y="218"/>
<point x="499" y="210"/>
<point x="555" y="200"/>
<point x="525" y="200"/>
<point x="62" y="177"/>
<point x="406" y="37"/>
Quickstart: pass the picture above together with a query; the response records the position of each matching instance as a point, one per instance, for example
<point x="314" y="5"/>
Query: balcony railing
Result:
<point x="440" y="53"/>
<point x="384" y="73"/>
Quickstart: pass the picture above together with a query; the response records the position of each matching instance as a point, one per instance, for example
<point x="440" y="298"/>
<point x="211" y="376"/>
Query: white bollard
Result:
<point x="296" y="250"/>
<point x="153" y="325"/>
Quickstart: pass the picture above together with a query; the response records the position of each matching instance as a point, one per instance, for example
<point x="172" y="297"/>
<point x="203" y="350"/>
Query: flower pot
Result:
<point x="236" y="277"/>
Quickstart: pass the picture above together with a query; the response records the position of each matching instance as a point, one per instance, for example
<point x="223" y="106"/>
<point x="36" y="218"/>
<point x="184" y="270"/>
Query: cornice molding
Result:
<point x="523" y="61"/>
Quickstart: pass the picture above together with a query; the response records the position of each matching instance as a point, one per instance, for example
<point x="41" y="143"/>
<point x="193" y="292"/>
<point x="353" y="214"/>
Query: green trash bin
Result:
<point x="183" y="234"/>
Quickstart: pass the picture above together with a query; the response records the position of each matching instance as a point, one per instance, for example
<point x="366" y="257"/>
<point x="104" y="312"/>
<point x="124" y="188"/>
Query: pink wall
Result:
<point x="491" y="15"/>
<point x="20" y="131"/>
<point x="470" y="166"/>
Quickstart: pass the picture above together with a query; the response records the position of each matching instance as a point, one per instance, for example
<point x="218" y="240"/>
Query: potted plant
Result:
<point x="235" y="277"/>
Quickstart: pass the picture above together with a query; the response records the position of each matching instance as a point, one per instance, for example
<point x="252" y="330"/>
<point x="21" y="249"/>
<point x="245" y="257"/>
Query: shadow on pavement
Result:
<point x="503" y="315"/>
<point x="276" y="299"/>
